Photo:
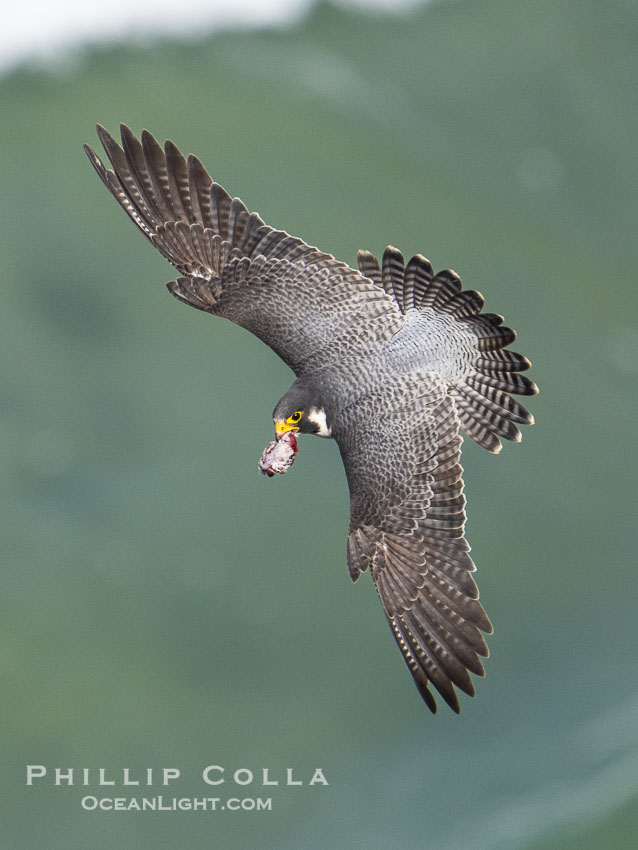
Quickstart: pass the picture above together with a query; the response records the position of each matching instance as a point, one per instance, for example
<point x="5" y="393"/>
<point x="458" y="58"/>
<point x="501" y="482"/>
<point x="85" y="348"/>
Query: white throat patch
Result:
<point x="318" y="417"/>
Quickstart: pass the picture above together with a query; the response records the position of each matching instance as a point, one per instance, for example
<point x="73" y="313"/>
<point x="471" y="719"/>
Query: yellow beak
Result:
<point x="282" y="428"/>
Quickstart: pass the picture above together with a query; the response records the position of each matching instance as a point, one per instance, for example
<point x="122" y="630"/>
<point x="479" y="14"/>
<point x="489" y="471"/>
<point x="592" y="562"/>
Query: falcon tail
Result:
<point x="482" y="371"/>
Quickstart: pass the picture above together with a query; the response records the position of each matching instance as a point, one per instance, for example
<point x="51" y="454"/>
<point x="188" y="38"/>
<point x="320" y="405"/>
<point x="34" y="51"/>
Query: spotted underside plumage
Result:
<point x="397" y="358"/>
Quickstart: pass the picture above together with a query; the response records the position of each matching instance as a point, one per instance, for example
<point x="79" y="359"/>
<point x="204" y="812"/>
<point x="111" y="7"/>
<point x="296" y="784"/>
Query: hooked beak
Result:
<point x="282" y="428"/>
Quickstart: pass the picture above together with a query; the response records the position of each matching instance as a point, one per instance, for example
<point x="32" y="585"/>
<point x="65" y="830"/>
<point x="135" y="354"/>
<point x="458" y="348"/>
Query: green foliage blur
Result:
<point x="166" y="606"/>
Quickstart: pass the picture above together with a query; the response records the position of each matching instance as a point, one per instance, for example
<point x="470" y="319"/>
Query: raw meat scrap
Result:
<point x="279" y="455"/>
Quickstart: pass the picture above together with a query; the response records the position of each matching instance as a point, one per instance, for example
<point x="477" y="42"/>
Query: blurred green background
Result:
<point x="166" y="606"/>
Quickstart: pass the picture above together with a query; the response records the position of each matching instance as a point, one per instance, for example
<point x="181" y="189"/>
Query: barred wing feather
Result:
<point x="298" y="300"/>
<point x="407" y="523"/>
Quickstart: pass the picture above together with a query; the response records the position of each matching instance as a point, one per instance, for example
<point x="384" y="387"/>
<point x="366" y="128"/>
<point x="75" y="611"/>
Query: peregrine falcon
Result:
<point x="391" y="362"/>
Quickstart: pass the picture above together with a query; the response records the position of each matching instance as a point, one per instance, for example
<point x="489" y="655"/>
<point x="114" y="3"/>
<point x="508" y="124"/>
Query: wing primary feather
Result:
<point x="138" y="170"/>
<point x="177" y="176"/>
<point x="421" y="678"/>
<point x="428" y="664"/>
<point x="156" y="168"/>
<point x="199" y="186"/>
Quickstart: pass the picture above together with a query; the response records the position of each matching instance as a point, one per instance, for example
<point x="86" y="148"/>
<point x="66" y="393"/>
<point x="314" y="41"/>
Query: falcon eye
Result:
<point x="296" y="416"/>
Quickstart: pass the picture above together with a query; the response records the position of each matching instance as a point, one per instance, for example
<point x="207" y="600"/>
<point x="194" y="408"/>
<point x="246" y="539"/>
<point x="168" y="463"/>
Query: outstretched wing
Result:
<point x="401" y="448"/>
<point x="301" y="302"/>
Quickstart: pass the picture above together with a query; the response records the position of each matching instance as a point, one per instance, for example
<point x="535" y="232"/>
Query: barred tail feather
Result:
<point x="482" y="371"/>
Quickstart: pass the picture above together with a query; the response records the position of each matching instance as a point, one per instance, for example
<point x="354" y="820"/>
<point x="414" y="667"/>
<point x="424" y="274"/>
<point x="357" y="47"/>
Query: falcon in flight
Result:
<point x="391" y="361"/>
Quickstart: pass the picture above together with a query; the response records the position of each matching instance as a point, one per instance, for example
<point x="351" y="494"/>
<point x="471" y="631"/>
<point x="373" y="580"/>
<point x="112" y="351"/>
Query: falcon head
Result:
<point x="302" y="411"/>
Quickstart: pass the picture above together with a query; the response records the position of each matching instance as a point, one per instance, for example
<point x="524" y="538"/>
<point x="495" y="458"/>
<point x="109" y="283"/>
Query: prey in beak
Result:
<point x="279" y="455"/>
